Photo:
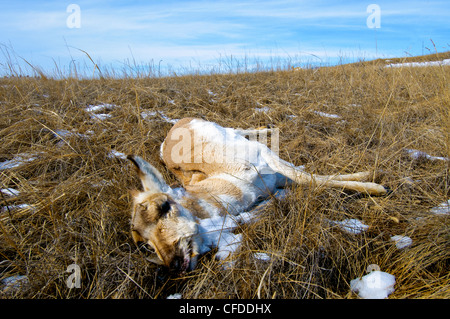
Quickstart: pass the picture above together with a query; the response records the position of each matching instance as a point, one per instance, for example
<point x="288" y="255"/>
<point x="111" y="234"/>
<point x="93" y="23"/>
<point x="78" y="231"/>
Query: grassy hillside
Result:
<point x="57" y="152"/>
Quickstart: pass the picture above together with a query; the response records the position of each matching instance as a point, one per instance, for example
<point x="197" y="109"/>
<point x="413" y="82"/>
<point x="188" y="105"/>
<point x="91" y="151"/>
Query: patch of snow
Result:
<point x="327" y="115"/>
<point x="228" y="244"/>
<point x="352" y="226"/>
<point x="15" y="207"/>
<point x="401" y="241"/>
<point x="101" y="116"/>
<point x="100" y="107"/>
<point x="217" y="231"/>
<point x="103" y="184"/>
<point x="442" y="209"/>
<point x="245" y="217"/>
<point x="212" y="229"/>
<point x="17" y="161"/>
<point x="66" y="133"/>
<point x="146" y="114"/>
<point x="10" y="192"/>
<point x="168" y="119"/>
<point x="174" y="296"/>
<point x="92" y="109"/>
<point x="376" y="285"/>
<point x="114" y="154"/>
<point x="14" y="282"/>
<point x="261" y="256"/>
<point x="419" y="64"/>
<point x="416" y="154"/>
<point x="263" y="109"/>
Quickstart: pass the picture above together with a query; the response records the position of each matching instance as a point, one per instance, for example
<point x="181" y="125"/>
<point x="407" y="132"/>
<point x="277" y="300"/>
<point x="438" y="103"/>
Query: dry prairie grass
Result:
<point x="79" y="205"/>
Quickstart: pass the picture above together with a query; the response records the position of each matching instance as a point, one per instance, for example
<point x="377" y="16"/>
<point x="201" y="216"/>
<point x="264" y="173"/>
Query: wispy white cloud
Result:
<point x="176" y="31"/>
<point x="33" y="20"/>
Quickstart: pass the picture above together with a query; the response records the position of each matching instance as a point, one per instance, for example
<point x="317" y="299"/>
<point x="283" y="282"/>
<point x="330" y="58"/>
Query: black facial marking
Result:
<point x="165" y="207"/>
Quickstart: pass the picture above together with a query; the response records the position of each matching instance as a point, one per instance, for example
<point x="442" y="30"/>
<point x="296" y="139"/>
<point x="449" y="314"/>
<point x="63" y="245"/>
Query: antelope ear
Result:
<point x="136" y="237"/>
<point x="155" y="260"/>
<point x="151" y="179"/>
<point x="134" y="193"/>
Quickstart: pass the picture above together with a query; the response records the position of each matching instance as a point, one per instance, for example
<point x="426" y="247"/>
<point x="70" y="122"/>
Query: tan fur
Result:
<point x="193" y="206"/>
<point x="186" y="171"/>
<point x="150" y="225"/>
<point x="168" y="222"/>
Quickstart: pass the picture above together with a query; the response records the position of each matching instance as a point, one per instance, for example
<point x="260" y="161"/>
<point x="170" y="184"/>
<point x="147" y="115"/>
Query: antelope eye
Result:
<point x="165" y="207"/>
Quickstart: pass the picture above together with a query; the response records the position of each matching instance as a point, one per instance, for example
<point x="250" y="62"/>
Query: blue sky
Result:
<point x="206" y="34"/>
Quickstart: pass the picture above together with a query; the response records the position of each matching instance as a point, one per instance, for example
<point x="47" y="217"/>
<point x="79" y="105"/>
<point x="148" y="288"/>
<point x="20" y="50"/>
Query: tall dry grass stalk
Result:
<point x="78" y="205"/>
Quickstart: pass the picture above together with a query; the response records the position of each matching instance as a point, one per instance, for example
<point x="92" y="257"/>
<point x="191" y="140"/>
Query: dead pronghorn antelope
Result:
<point x="222" y="172"/>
